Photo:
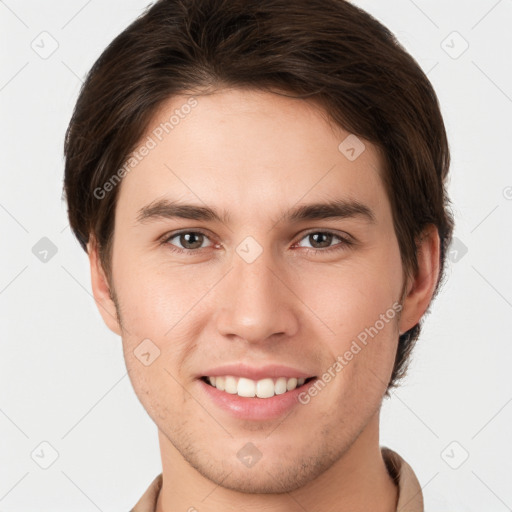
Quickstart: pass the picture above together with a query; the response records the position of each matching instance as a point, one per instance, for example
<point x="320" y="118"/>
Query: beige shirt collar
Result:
<point x="410" y="497"/>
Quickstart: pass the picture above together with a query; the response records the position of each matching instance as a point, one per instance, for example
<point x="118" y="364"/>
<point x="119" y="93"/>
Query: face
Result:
<point x="257" y="275"/>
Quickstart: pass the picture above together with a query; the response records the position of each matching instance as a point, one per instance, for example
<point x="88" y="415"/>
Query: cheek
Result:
<point x="153" y="299"/>
<point x="159" y="308"/>
<point x="153" y="386"/>
<point x="358" y="301"/>
<point x="350" y="296"/>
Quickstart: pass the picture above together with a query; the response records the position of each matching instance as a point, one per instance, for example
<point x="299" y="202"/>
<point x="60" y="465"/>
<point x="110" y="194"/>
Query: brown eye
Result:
<point x="186" y="241"/>
<point x="191" y="240"/>
<point x="322" y="241"/>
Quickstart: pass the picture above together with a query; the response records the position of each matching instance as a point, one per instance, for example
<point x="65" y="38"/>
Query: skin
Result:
<point x="256" y="155"/>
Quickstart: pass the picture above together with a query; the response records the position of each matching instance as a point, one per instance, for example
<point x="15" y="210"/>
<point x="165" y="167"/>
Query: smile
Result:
<point x="249" y="388"/>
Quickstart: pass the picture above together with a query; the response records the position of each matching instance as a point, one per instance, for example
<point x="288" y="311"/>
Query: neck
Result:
<point x="357" y="482"/>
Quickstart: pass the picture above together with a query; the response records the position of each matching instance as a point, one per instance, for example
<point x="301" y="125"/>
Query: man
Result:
<point x="260" y="188"/>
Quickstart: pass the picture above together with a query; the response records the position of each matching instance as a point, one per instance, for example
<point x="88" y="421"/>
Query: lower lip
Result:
<point x="255" y="409"/>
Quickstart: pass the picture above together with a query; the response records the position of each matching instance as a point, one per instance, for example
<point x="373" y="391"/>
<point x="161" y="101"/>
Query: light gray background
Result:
<point x="62" y="374"/>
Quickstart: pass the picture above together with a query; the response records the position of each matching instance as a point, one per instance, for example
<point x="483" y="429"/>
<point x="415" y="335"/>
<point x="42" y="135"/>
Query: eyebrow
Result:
<point x="337" y="209"/>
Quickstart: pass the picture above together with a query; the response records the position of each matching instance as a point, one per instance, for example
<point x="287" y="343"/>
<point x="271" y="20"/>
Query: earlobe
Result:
<point x="422" y="286"/>
<point x="101" y="289"/>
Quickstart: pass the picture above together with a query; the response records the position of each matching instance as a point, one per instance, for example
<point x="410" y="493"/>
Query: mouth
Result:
<point x="248" y="388"/>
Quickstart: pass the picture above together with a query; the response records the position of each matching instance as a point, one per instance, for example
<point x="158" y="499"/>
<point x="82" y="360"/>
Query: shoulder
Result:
<point x="147" y="503"/>
<point x="410" y="496"/>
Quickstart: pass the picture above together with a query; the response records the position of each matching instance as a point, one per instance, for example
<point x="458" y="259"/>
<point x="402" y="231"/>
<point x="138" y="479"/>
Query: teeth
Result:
<point x="218" y="382"/>
<point x="291" y="384"/>
<point x="230" y="385"/>
<point x="264" y="388"/>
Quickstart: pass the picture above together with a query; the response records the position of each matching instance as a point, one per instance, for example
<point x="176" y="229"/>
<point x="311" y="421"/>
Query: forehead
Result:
<point x="247" y="150"/>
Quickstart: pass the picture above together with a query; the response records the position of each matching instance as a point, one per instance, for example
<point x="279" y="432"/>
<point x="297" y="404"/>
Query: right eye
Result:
<point x="191" y="241"/>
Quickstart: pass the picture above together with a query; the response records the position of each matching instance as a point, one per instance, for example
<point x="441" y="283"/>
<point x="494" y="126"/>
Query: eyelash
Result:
<point x="344" y="242"/>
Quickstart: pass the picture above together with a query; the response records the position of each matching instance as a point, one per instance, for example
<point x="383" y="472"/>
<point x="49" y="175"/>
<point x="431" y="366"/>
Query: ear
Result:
<point x="101" y="289"/>
<point x="420" y="288"/>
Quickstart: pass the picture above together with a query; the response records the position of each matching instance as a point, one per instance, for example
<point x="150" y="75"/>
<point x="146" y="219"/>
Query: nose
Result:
<point x="256" y="301"/>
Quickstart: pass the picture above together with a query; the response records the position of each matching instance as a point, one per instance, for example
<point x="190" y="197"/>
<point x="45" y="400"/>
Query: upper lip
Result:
<point x="256" y="373"/>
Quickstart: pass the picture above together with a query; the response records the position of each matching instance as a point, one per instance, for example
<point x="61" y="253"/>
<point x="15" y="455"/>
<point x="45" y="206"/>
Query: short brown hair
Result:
<point x="329" y="51"/>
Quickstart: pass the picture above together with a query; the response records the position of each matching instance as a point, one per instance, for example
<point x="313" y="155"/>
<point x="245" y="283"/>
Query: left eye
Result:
<point x="323" y="240"/>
